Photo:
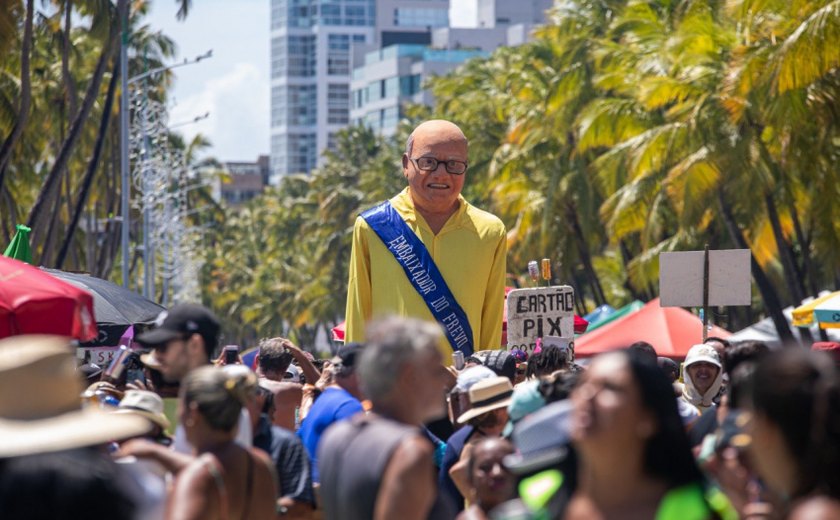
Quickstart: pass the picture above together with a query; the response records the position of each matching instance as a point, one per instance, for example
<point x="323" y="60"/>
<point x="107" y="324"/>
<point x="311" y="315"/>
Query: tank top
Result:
<point x="352" y="459"/>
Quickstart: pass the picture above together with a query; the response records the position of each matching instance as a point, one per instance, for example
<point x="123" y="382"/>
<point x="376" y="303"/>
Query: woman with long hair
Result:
<point x="225" y="481"/>
<point x="634" y="459"/>
<point x="795" y="431"/>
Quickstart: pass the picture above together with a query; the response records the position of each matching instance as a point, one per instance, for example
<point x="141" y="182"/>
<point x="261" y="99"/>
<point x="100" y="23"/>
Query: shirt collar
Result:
<point x="405" y="206"/>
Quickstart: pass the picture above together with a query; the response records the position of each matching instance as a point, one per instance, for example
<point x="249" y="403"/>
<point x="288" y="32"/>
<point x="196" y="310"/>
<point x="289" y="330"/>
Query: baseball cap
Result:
<point x="180" y="321"/>
<point x="702" y="352"/>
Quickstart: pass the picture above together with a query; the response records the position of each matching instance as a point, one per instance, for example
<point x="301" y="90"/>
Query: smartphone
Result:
<point x="121" y="360"/>
<point x="135" y="374"/>
<point x="231" y="353"/>
<point x="458" y="360"/>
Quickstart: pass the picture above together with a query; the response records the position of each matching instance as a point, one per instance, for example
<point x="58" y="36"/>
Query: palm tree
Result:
<point x="25" y="91"/>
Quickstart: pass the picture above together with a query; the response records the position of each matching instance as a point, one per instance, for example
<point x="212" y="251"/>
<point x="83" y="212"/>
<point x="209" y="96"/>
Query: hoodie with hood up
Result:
<point x="690" y="394"/>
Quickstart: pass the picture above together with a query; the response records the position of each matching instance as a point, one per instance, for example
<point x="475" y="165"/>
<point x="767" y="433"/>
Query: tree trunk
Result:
<point x="25" y="93"/>
<point x="792" y="276"/>
<point x="626" y="257"/>
<point x="765" y="287"/>
<point x="52" y="182"/>
<point x="809" y="275"/>
<point x="69" y="84"/>
<point x="105" y="253"/>
<point x="87" y="181"/>
<point x="585" y="257"/>
<point x="46" y="251"/>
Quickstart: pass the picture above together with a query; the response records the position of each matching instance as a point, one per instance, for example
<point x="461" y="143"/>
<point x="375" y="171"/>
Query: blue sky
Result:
<point x="234" y="84"/>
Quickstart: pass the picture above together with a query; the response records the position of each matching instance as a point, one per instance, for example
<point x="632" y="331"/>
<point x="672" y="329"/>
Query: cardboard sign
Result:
<point x="539" y="312"/>
<point x="681" y="278"/>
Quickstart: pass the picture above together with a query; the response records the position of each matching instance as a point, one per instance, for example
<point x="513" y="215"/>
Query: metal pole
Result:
<point x="124" y="121"/>
<point x="706" y="293"/>
<point x="148" y="273"/>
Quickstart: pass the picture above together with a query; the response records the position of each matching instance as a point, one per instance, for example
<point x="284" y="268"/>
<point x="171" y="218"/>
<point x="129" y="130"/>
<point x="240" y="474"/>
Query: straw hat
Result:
<point x="488" y="395"/>
<point x="40" y="404"/>
<point x="145" y="404"/>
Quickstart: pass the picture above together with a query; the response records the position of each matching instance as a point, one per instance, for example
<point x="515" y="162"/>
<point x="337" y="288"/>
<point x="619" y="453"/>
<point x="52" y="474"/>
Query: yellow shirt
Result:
<point x="470" y="252"/>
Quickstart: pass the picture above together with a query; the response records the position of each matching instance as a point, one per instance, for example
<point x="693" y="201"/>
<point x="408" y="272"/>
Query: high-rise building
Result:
<point x="393" y="76"/>
<point x="493" y="13"/>
<point x="389" y="77"/>
<point x="313" y="43"/>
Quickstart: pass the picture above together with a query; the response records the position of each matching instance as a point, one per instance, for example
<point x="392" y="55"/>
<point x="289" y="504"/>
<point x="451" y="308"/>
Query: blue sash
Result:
<point x="423" y="274"/>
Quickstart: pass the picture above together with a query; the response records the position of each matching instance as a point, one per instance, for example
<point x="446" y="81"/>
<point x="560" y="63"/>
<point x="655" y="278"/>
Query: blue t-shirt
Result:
<point x="333" y="405"/>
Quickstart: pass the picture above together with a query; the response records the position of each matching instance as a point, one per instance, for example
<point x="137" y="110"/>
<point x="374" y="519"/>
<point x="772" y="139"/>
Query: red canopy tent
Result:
<point x="580" y="325"/>
<point x="671" y="330"/>
<point x="35" y="302"/>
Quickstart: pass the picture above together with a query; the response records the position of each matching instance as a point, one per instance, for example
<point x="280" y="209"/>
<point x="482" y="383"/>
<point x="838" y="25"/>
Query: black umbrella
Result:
<point x="115" y="307"/>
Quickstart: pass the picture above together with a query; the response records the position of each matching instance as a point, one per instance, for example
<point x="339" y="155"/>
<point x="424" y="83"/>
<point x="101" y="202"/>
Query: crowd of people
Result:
<point x="388" y="429"/>
<point x="411" y="419"/>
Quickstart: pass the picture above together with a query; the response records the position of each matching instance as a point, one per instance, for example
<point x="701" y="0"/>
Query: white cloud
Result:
<point x="238" y="102"/>
<point x="233" y="85"/>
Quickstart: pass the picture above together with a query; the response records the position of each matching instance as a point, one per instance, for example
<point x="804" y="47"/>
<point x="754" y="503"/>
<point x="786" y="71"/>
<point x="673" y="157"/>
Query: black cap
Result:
<point x="502" y="362"/>
<point x="181" y="321"/>
<point x="348" y="354"/>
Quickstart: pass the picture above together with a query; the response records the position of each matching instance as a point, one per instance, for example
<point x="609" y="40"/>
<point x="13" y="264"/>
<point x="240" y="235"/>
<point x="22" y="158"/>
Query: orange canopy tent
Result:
<point x="671" y="331"/>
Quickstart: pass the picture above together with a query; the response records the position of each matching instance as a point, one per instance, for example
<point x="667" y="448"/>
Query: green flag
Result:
<point x="19" y="248"/>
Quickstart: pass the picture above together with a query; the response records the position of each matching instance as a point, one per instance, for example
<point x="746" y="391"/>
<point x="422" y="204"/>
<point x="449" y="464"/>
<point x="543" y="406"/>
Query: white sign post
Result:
<point x="704" y="278"/>
<point x="539" y="312"/>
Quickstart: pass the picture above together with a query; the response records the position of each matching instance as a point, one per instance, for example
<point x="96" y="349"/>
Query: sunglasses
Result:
<point x="160" y="348"/>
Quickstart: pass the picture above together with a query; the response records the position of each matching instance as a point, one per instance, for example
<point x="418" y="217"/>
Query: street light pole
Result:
<point x="126" y="185"/>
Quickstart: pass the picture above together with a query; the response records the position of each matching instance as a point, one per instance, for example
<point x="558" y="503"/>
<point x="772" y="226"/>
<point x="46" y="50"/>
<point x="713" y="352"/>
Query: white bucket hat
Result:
<point x="40" y="402"/>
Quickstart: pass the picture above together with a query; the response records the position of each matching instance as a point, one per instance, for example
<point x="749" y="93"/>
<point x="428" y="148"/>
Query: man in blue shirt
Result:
<point x="337" y="402"/>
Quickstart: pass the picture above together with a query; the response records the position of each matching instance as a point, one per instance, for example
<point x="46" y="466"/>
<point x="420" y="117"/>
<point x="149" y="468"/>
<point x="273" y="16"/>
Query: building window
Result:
<point x="355" y="13"/>
<point x="409" y="85"/>
<point x="293" y="153"/>
<point x="421" y="17"/>
<point x="390" y="118"/>
<point x="301" y="56"/>
<point x="293" y="105"/>
<point x="392" y="88"/>
<point x="338" y="101"/>
<point x="292" y="13"/>
<point x="338" y="54"/>
<point x="293" y="56"/>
